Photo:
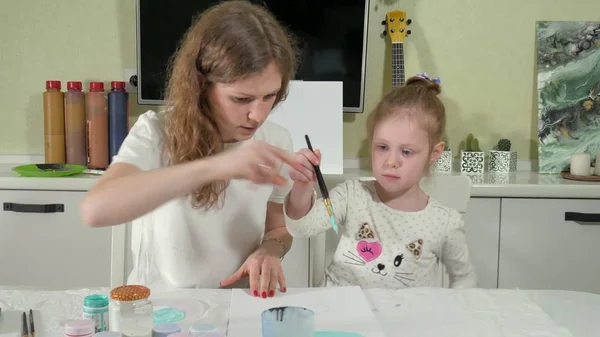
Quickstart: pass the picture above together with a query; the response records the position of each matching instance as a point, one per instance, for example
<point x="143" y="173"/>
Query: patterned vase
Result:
<point x="472" y="161"/>
<point x="443" y="163"/>
<point x="503" y="161"/>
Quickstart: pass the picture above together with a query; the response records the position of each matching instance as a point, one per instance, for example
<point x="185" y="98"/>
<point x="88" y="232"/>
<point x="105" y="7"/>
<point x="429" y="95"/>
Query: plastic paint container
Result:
<point x="165" y="330"/>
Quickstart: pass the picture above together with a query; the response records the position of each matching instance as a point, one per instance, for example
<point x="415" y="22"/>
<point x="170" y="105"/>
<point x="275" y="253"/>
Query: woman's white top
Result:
<point x="179" y="246"/>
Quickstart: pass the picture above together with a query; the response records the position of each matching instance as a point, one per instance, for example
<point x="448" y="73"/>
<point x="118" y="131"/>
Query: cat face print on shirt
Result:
<point x="392" y="263"/>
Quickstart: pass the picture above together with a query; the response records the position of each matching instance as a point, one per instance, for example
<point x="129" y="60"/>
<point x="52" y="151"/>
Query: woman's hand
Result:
<point x="257" y="162"/>
<point x="305" y="173"/>
<point x="263" y="267"/>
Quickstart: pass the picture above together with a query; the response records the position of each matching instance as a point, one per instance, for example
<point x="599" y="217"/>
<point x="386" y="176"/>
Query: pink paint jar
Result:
<point x="80" y="328"/>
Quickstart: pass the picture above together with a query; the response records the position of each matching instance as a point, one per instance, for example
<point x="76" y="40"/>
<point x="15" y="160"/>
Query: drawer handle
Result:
<point x="33" y="208"/>
<point x="583" y="217"/>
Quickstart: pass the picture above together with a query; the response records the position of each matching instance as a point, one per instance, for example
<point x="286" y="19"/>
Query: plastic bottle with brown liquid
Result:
<point x="75" y="121"/>
<point x="54" y="123"/>
<point x="97" y="127"/>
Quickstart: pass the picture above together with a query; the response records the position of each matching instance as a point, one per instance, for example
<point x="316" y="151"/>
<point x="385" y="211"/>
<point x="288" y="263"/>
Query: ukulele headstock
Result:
<point x="396" y="26"/>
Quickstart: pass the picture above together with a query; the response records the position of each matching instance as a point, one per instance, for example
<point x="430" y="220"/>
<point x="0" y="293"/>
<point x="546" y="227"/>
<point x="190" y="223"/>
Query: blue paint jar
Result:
<point x="95" y="308"/>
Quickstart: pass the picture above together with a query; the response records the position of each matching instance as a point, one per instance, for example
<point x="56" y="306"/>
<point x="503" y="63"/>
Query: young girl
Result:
<point x="392" y="233"/>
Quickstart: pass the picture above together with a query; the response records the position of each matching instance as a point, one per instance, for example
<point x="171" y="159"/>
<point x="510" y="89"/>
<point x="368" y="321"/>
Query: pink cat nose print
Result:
<point x="369" y="251"/>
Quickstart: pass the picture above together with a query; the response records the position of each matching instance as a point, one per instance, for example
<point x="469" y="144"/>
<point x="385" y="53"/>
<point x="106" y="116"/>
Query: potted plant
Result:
<point x="502" y="158"/>
<point x="444" y="162"/>
<point x="471" y="157"/>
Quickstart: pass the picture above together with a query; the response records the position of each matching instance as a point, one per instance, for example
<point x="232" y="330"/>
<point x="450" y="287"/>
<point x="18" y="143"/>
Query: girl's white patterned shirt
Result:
<point x="384" y="247"/>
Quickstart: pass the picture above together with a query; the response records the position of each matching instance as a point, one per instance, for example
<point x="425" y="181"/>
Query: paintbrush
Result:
<point x="31" y="327"/>
<point x="25" y="332"/>
<point x="324" y="192"/>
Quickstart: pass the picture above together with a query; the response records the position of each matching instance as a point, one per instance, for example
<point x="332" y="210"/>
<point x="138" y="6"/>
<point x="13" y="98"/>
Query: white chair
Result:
<point x="451" y="190"/>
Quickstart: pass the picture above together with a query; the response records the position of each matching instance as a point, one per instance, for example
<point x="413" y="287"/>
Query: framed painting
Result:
<point x="568" y="86"/>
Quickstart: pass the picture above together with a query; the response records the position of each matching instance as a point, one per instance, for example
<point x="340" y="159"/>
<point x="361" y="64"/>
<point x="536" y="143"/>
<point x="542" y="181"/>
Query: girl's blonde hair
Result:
<point x="418" y="98"/>
<point x="227" y="42"/>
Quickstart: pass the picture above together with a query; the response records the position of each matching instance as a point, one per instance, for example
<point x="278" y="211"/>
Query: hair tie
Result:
<point x="426" y="77"/>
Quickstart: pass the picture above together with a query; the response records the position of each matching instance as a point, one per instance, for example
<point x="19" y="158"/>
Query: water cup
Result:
<point x="288" y="321"/>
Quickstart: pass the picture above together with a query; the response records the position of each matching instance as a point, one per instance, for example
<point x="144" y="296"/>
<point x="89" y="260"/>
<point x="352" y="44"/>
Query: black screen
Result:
<point x="330" y="35"/>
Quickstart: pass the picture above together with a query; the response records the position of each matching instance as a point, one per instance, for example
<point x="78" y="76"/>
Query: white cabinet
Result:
<point x="44" y="244"/>
<point x="482" y="225"/>
<point x="539" y="249"/>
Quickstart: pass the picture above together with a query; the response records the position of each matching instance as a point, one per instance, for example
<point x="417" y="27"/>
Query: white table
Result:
<point x="426" y="310"/>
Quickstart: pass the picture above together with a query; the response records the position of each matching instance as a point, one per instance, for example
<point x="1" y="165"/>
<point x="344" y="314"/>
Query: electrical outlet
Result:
<point x="128" y="73"/>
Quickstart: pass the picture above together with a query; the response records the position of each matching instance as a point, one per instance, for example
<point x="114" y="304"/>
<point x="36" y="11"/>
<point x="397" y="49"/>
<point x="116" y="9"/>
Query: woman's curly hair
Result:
<point x="227" y="42"/>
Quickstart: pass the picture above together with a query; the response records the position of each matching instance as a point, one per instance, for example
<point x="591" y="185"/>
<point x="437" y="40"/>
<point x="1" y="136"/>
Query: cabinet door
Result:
<point x="482" y="225"/>
<point x="44" y="244"/>
<point x="540" y="250"/>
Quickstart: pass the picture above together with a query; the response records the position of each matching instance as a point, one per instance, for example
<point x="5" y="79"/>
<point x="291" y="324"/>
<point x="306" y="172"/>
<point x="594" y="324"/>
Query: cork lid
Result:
<point x="129" y="293"/>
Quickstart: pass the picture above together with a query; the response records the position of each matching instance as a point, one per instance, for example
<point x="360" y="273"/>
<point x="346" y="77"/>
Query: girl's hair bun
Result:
<point x="425" y="82"/>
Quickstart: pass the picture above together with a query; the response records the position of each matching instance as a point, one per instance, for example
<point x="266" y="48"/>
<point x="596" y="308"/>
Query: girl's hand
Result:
<point x="265" y="272"/>
<point x="305" y="173"/>
<point x="257" y="162"/>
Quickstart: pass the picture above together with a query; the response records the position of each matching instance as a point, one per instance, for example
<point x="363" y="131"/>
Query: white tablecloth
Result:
<point x="418" y="311"/>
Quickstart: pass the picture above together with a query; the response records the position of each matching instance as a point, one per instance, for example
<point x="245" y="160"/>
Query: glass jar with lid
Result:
<point x="130" y="311"/>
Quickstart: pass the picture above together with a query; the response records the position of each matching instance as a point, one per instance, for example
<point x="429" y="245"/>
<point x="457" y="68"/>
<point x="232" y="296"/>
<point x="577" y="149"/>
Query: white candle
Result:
<point x="597" y="167"/>
<point x="580" y="164"/>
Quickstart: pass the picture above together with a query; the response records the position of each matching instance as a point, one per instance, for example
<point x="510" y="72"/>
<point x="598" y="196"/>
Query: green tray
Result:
<point x="48" y="170"/>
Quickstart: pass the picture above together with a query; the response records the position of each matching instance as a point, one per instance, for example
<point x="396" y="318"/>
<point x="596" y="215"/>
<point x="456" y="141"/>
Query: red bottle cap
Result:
<point x="74" y="85"/>
<point x="117" y="85"/>
<point x="52" y="84"/>
<point x="96" y="86"/>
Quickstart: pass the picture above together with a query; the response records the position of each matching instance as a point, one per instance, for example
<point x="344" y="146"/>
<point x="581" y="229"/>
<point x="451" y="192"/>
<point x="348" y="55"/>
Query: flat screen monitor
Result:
<point x="332" y="37"/>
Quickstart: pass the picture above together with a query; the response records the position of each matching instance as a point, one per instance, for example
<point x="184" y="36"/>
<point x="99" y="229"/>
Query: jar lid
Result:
<point x="95" y="301"/>
<point x="79" y="327"/>
<point x="198" y="327"/>
<point x="164" y="330"/>
<point x="130" y="293"/>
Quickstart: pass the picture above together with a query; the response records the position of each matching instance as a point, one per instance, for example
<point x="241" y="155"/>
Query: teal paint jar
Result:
<point x="95" y="308"/>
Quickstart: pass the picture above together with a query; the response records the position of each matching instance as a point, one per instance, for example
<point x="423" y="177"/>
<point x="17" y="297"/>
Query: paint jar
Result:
<point x="164" y="330"/>
<point x="198" y="329"/>
<point x="180" y="334"/>
<point x="79" y="328"/>
<point x="288" y="321"/>
<point x="108" y="334"/>
<point x="95" y="308"/>
<point x="130" y="311"/>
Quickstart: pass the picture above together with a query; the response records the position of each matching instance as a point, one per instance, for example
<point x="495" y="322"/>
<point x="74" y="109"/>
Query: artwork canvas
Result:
<point x="568" y="83"/>
<point x="336" y="310"/>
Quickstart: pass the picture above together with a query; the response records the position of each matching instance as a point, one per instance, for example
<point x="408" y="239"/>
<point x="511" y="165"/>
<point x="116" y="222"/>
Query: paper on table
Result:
<point x="336" y="309"/>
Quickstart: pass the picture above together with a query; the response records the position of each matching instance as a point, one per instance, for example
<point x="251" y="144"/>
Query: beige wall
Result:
<point x="483" y="50"/>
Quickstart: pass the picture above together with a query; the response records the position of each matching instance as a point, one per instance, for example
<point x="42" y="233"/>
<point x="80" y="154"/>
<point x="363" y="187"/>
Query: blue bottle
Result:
<point x="118" y="117"/>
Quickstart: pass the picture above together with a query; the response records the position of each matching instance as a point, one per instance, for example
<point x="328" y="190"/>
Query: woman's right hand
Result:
<point x="257" y="162"/>
<point x="305" y="174"/>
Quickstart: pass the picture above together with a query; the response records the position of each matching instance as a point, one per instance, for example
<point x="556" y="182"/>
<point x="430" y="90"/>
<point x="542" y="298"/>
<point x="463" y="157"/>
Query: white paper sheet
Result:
<point x="336" y="309"/>
<point x="315" y="108"/>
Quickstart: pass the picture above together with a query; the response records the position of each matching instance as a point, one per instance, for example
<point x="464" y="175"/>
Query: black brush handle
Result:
<point x="320" y="179"/>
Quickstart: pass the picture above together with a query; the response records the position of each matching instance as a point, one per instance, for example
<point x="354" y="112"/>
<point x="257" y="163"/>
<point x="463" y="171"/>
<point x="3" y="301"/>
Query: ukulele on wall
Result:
<point x="396" y="28"/>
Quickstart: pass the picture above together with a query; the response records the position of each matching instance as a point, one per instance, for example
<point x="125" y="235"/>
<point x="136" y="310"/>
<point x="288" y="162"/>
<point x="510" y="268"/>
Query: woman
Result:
<point x="204" y="182"/>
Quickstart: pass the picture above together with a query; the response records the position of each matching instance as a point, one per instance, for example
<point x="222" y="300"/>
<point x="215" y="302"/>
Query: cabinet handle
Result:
<point x="583" y="218"/>
<point x="33" y="208"/>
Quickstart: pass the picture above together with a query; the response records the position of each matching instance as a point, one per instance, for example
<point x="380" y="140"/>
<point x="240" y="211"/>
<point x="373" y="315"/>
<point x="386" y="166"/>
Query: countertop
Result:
<point x="520" y="184"/>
